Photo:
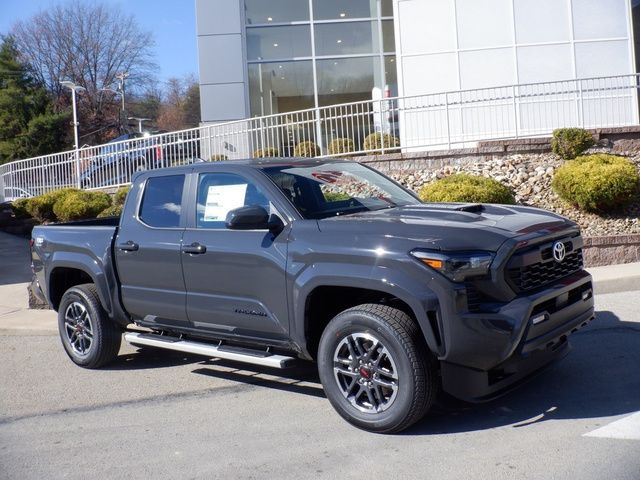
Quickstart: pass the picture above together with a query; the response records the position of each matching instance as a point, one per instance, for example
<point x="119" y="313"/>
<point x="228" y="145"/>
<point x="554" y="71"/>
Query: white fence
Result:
<point x="442" y="120"/>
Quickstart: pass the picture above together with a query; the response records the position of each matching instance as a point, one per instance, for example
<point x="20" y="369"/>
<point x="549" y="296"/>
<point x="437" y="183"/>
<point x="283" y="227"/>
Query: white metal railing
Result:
<point x="411" y="123"/>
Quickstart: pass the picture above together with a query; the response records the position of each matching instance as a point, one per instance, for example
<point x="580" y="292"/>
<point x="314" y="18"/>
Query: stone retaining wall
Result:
<point x="600" y="251"/>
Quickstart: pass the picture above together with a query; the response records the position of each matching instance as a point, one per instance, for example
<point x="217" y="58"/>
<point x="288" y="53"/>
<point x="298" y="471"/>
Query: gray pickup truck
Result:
<point x="270" y="262"/>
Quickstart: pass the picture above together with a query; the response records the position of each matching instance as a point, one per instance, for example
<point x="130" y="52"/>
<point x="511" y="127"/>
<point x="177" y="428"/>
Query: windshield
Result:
<point x="337" y="188"/>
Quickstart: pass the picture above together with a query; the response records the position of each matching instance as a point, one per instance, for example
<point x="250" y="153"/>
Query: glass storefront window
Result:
<point x="346" y="38"/>
<point x="340" y="9"/>
<point x="388" y="38"/>
<point x="386" y="8"/>
<point x="391" y="74"/>
<point x="276" y="11"/>
<point x="343" y="80"/>
<point x="268" y="43"/>
<point x="280" y="87"/>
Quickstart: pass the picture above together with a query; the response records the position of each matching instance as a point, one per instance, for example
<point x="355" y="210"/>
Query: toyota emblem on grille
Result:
<point x="559" y="251"/>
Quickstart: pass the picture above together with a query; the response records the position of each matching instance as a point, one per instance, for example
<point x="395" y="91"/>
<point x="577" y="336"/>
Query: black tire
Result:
<point x="416" y="386"/>
<point x="88" y="336"/>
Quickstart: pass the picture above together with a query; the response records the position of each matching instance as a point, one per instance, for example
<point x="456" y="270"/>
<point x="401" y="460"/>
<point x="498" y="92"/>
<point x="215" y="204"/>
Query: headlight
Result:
<point x="457" y="266"/>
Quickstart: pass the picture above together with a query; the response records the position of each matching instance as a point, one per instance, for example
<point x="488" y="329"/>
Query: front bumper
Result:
<point x="489" y="353"/>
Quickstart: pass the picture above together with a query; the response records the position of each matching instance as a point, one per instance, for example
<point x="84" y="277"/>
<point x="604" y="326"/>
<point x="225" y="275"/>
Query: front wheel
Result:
<point x="375" y="368"/>
<point x="88" y="336"/>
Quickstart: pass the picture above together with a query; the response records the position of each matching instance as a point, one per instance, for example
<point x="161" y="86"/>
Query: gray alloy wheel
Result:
<point x="88" y="335"/>
<point x="78" y="328"/>
<point x="365" y="372"/>
<point x="375" y="368"/>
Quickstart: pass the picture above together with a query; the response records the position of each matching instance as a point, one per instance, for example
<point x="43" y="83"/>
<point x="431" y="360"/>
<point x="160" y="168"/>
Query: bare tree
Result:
<point x="88" y="43"/>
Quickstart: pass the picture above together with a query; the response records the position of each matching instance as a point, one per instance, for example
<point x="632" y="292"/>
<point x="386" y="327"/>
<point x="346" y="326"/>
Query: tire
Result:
<point x="397" y="381"/>
<point x="88" y="336"/>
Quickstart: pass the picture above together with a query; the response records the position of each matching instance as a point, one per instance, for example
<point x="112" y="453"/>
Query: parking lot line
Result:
<point x="627" y="428"/>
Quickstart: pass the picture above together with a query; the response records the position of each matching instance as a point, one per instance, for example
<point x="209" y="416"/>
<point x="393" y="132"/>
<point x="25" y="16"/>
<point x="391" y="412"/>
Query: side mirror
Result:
<point x="252" y="217"/>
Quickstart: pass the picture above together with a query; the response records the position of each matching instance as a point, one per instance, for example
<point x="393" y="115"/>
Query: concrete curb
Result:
<point x="616" y="278"/>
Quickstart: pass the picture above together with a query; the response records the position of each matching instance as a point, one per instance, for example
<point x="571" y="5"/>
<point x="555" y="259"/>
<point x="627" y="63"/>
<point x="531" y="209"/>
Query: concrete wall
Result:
<point x="221" y="58"/>
<point x="451" y="45"/>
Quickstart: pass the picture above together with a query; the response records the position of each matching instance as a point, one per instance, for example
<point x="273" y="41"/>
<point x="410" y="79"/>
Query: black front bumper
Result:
<point x="490" y="353"/>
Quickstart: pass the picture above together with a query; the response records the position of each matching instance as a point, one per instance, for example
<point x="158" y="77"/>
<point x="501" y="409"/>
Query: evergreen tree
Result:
<point x="28" y="125"/>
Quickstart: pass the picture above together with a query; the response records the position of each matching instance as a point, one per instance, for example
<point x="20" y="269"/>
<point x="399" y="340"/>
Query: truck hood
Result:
<point x="451" y="226"/>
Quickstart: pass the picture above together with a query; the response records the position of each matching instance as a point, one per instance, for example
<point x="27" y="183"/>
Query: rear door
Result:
<point x="147" y="252"/>
<point x="236" y="284"/>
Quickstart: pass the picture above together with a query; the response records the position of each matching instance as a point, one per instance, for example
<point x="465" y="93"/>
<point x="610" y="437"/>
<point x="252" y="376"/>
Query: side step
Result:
<point x="238" y="354"/>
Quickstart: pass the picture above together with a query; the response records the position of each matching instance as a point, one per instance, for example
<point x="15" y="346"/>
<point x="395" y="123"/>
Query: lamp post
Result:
<point x="74" y="88"/>
<point x="139" y="120"/>
<point x="115" y="92"/>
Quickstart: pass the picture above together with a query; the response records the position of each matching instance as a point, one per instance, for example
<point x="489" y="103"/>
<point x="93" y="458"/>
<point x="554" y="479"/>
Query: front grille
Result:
<point x="540" y="274"/>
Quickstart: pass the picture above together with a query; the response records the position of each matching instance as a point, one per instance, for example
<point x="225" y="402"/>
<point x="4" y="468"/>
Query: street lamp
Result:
<point x="74" y="88"/>
<point x="139" y="120"/>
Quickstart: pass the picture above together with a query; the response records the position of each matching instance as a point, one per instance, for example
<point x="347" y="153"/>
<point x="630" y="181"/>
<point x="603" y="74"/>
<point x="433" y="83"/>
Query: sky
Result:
<point x="172" y="22"/>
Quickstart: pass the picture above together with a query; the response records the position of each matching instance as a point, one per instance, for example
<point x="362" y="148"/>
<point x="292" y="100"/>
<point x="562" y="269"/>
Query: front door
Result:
<point x="148" y="255"/>
<point x="236" y="281"/>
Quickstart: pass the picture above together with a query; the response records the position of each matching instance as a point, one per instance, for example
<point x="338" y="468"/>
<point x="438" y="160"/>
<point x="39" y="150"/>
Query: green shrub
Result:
<point x="340" y="145"/>
<point x="19" y="208"/>
<point x="42" y="207"/>
<point x="568" y="143"/>
<point x="336" y="196"/>
<point x="218" y="157"/>
<point x="266" y="152"/>
<point x="306" y="149"/>
<point x="377" y="141"/>
<point x="80" y="205"/>
<point x="112" y="211"/>
<point x="463" y="187"/>
<point x="597" y="182"/>
<point x="120" y="196"/>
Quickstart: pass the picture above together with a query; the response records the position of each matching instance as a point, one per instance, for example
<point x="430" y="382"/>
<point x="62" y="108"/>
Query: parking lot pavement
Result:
<point x="156" y="414"/>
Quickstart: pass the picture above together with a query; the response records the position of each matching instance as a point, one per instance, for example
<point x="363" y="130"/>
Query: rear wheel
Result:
<point x="88" y="336"/>
<point x="375" y="368"/>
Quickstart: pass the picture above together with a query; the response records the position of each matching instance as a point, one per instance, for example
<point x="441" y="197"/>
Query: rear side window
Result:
<point x="162" y="201"/>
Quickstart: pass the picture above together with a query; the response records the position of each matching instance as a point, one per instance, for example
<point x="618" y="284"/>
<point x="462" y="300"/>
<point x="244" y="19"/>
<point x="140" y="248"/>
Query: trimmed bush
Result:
<point x="80" y="205"/>
<point x="340" y="145"/>
<point x="306" y="149"/>
<point x="112" y="211"/>
<point x="120" y="196"/>
<point x="19" y="208"/>
<point x="266" y="152"/>
<point x="218" y="157"/>
<point x="42" y="207"/>
<point x="463" y="187"/>
<point x="568" y="143"/>
<point x="377" y="141"/>
<point x="597" y="182"/>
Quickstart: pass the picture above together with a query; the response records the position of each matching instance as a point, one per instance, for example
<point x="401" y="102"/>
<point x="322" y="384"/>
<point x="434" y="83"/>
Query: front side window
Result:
<point x="162" y="201"/>
<point x="335" y="188"/>
<point x="219" y="193"/>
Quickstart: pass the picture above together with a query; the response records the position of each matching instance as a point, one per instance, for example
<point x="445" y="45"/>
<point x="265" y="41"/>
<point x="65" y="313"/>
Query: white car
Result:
<point x="14" y="193"/>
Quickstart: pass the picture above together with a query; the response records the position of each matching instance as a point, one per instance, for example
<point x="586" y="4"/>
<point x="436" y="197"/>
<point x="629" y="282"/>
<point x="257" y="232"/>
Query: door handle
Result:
<point x="129" y="246"/>
<point x="195" y="248"/>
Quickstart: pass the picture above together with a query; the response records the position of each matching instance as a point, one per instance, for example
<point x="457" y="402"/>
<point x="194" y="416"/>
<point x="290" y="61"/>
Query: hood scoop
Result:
<point x="459" y="207"/>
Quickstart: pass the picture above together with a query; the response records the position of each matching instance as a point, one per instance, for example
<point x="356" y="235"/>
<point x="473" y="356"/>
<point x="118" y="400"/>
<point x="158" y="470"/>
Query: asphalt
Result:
<point x="15" y="274"/>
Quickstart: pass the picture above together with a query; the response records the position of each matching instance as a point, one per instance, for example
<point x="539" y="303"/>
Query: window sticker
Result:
<point x="221" y="199"/>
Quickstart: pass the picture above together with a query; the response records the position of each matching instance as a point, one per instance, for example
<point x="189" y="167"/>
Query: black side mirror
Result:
<point x="252" y="217"/>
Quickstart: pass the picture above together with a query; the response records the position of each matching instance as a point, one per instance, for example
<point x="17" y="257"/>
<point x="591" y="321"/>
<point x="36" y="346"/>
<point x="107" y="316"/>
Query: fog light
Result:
<point x="539" y="318"/>
<point x="586" y="295"/>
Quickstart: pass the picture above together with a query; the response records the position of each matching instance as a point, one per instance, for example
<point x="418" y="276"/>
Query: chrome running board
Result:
<point x="237" y="354"/>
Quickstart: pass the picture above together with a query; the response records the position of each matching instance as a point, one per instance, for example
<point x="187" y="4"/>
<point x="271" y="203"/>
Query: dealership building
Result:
<point x="266" y="57"/>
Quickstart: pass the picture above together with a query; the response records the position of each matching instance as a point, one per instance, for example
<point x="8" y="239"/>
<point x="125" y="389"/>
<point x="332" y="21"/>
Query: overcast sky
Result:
<point x="171" y="21"/>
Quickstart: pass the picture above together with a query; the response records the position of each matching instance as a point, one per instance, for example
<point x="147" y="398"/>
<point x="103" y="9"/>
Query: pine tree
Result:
<point x="28" y="125"/>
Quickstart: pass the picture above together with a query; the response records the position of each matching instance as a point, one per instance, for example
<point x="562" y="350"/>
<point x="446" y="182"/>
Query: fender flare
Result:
<point x="417" y="295"/>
